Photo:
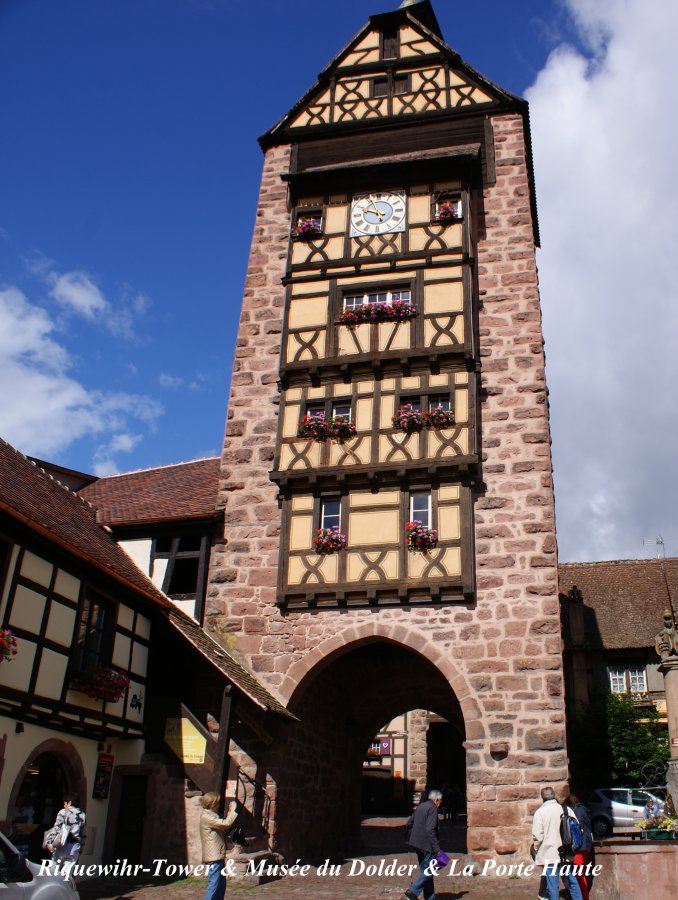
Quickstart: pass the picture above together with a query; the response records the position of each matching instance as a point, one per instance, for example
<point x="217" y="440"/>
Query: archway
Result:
<point x="341" y="703"/>
<point x="52" y="769"/>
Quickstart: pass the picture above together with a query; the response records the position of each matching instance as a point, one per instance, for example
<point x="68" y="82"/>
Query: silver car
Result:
<point x="21" y="879"/>
<point x="618" y="807"/>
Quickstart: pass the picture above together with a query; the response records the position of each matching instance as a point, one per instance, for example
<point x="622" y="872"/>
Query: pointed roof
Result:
<point x="419" y="15"/>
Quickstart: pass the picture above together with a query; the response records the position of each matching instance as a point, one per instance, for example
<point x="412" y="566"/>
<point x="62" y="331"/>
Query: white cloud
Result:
<point x="169" y="382"/>
<point x="44" y="408"/>
<point x="77" y="292"/>
<point x="604" y="147"/>
<point x="104" y="458"/>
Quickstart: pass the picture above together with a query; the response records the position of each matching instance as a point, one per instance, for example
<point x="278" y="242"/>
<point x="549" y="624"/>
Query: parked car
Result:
<point x="21" y="879"/>
<point x="619" y="807"/>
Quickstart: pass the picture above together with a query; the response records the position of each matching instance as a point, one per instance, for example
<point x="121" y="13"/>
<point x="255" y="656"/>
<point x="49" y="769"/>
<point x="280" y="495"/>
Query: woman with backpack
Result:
<point x="584" y="854"/>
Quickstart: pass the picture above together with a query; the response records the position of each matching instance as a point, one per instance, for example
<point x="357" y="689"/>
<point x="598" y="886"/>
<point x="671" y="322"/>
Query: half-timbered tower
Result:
<point x="389" y="532"/>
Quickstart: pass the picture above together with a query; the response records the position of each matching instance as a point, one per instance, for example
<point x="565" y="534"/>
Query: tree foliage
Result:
<point x="611" y="741"/>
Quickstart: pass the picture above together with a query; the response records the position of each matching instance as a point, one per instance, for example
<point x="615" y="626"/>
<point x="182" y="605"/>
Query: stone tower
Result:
<point x="389" y="369"/>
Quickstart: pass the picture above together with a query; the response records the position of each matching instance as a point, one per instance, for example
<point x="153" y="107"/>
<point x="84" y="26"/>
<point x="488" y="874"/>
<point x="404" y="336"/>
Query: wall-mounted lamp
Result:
<point x="19" y="728"/>
<point x="136" y="701"/>
<point x="100" y="747"/>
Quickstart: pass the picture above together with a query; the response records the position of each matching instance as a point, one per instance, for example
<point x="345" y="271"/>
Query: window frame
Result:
<point x="389" y="42"/>
<point x="308" y="212"/>
<point x="174" y="554"/>
<point x="439" y="197"/>
<point x="423" y="398"/>
<point x="328" y="405"/>
<point x="321" y="522"/>
<point x="85" y="656"/>
<point x="388" y="292"/>
<point x="387" y="86"/>
<point x="428" y="493"/>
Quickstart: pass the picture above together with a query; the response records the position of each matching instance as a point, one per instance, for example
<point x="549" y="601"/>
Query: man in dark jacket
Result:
<point x="423" y="837"/>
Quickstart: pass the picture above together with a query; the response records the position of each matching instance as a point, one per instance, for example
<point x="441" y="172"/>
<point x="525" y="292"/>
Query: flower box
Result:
<point x="101" y="683"/>
<point x="420" y="537"/>
<point x="307" y="227"/>
<point x="659" y="827"/>
<point x="439" y="418"/>
<point x="408" y="419"/>
<point x="329" y="540"/>
<point x="448" y="211"/>
<point x="320" y="429"/>
<point x="658" y="834"/>
<point x="7" y="644"/>
<point x="378" y="312"/>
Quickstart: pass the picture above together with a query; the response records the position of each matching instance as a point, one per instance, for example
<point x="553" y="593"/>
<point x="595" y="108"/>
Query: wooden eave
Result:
<point x="140" y="527"/>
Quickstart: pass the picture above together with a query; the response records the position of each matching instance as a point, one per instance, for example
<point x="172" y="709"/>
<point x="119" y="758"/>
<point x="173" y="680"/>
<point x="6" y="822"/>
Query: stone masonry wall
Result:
<point x="502" y="658"/>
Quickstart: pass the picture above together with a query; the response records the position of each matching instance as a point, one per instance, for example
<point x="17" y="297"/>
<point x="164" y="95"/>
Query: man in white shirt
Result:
<point x="547" y="843"/>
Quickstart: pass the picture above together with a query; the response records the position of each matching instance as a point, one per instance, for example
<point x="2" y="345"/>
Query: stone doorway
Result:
<point x="342" y="702"/>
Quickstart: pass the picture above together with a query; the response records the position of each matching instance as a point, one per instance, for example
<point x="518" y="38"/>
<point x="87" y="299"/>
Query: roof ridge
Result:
<point x="616" y="562"/>
<point x="32" y="462"/>
<point x="187" y="462"/>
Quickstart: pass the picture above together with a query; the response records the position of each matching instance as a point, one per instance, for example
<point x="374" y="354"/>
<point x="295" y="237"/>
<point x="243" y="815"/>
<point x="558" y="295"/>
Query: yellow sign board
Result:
<point x="185" y="740"/>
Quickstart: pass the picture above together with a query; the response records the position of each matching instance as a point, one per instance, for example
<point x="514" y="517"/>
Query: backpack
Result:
<point x="571" y="835"/>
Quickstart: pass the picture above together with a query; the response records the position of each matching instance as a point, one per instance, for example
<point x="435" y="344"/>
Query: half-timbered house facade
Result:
<point x="108" y="689"/>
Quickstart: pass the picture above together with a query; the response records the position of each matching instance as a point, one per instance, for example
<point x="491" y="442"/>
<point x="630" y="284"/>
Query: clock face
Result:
<point x="379" y="213"/>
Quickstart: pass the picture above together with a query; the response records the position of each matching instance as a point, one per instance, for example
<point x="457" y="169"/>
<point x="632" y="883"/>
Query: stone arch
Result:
<point x="353" y="637"/>
<point x="342" y="692"/>
<point x="68" y="757"/>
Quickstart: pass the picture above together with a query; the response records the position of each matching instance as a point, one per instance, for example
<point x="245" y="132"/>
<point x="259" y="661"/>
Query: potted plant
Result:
<point x="373" y="753"/>
<point x="398" y="310"/>
<point x="307" y="227"/>
<point x="8" y="647"/>
<point x="448" y="211"/>
<point x="408" y="419"/>
<point x="329" y="540"/>
<point x="439" y="418"/>
<point x="420" y="537"/>
<point x="101" y="683"/>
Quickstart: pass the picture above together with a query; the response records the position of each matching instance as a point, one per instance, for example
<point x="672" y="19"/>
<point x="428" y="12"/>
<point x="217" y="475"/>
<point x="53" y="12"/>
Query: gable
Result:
<point x="368" y="83"/>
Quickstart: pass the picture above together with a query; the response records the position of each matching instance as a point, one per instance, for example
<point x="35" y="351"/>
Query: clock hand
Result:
<point x="376" y="208"/>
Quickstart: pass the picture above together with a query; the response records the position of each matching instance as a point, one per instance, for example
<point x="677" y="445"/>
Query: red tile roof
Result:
<point x="30" y="495"/>
<point x="168" y="493"/>
<point x="624" y="600"/>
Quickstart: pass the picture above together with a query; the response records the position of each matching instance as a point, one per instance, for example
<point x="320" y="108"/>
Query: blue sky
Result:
<point x="129" y="172"/>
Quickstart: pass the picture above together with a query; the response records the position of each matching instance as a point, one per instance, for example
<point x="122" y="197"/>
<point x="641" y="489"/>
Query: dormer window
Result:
<point x="390" y="44"/>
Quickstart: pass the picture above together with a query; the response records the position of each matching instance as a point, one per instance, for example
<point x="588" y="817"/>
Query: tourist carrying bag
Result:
<point x="571" y="835"/>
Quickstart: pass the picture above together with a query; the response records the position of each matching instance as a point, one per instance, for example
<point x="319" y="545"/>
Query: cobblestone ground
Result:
<point x="381" y="842"/>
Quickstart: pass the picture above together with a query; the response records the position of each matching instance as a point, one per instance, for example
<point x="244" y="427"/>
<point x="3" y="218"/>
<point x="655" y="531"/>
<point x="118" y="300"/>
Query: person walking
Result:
<point x="585" y="854"/>
<point x="547" y="843"/>
<point x="66" y="835"/>
<point x="213" y="839"/>
<point x="422" y="827"/>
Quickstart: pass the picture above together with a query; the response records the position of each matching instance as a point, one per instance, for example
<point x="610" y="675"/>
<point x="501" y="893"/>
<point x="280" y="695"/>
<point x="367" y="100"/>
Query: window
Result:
<point x="328" y="409"/>
<point x="330" y="513"/>
<point x="627" y="679"/>
<point x="637" y="683"/>
<point x="440" y="401"/>
<point x="426" y="402"/>
<point x="390" y="43"/>
<point x="341" y="410"/>
<point x="380" y="86"/>
<point x="354" y="300"/>
<point x="184" y="554"/>
<point x="308" y="221"/>
<point x="617" y="681"/>
<point x="94" y="634"/>
<point x="420" y="508"/>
